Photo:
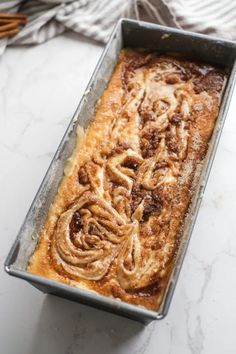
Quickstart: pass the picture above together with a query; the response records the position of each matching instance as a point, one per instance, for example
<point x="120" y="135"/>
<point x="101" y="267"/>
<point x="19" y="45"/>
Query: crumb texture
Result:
<point x="115" y="224"/>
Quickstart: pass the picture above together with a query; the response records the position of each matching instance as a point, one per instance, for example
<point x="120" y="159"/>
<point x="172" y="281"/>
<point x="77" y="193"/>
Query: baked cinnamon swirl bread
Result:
<point x="115" y="223"/>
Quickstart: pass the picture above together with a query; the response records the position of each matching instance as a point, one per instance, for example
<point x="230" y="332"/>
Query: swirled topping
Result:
<point x="119" y="227"/>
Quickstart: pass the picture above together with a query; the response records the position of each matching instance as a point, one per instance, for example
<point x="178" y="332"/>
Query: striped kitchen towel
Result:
<point x="95" y="18"/>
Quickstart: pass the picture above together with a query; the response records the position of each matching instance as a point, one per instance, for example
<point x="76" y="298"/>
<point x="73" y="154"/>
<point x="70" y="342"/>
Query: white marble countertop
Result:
<point x="39" y="90"/>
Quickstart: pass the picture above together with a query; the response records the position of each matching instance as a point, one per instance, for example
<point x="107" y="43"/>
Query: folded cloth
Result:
<point x="96" y="18"/>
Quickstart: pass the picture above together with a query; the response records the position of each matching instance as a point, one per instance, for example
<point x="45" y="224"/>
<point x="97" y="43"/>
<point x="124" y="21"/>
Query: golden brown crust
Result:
<point x="115" y="223"/>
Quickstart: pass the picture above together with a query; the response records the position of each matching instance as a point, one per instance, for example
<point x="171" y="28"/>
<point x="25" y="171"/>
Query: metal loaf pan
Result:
<point x="127" y="33"/>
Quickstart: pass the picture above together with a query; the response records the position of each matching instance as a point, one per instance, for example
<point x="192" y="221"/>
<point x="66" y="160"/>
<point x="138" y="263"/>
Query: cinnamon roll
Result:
<point x="115" y="224"/>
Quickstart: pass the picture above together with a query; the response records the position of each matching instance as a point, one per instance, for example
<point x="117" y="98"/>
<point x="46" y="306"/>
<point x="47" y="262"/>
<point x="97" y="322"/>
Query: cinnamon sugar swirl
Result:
<point x="115" y="224"/>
